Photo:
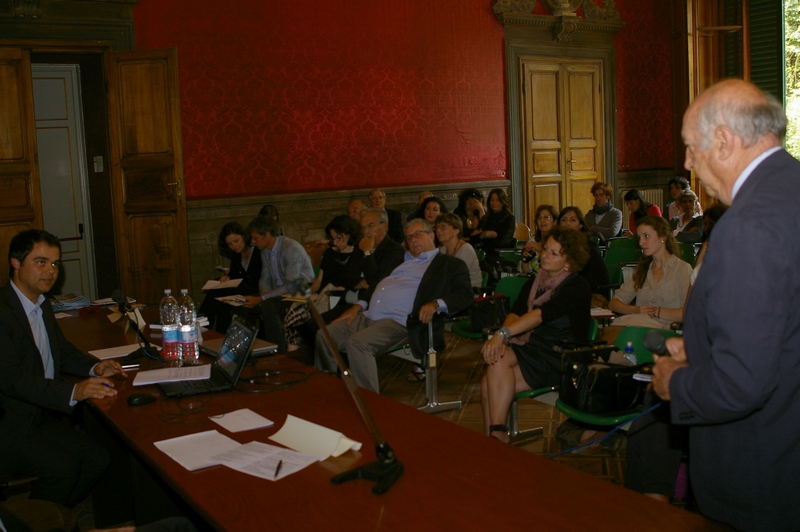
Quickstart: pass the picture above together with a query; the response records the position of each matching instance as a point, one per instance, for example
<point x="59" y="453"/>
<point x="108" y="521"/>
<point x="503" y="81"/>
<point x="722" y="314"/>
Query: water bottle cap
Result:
<point x="630" y="344"/>
<point x="184" y="291"/>
<point x="167" y="292"/>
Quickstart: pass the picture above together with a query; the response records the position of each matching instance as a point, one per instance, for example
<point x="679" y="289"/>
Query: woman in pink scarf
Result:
<point x="552" y="307"/>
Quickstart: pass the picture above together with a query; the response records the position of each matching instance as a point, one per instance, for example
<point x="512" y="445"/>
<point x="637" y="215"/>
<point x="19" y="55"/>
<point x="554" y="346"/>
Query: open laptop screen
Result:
<point x="233" y="352"/>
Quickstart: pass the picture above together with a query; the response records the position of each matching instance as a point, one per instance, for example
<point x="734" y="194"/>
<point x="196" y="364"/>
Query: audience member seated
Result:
<point x="448" y="231"/>
<point x="282" y="260"/>
<point x="233" y="243"/>
<point x="425" y="194"/>
<point x="688" y="225"/>
<point x="604" y="220"/>
<point x="677" y="185"/>
<point x="638" y="208"/>
<point x="430" y="209"/>
<point x="659" y="283"/>
<point x="546" y="217"/>
<point x="345" y="267"/>
<point x="271" y="211"/>
<point x="354" y="208"/>
<point x="496" y="228"/>
<point x="427" y="286"/>
<point x="377" y="200"/>
<point x="470" y="209"/>
<point x="385" y="253"/>
<point x="595" y="272"/>
<point x="552" y="307"/>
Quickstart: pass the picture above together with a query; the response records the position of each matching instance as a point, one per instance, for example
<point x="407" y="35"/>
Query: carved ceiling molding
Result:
<point x="564" y="23"/>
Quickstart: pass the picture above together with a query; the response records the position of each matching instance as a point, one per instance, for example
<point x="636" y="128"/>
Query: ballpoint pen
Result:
<point x="278" y="469"/>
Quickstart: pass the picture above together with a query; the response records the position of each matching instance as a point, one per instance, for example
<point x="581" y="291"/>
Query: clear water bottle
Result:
<point x="169" y="327"/>
<point x="629" y="354"/>
<point x="189" y="337"/>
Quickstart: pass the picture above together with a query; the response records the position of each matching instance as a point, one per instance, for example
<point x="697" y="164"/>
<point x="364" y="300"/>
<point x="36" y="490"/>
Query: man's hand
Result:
<point x="349" y="315"/>
<point x="107" y="368"/>
<point x="427" y="311"/>
<point x="489" y="234"/>
<point x="94" y="388"/>
<point x="665" y="366"/>
<point x="362" y="284"/>
<point x="367" y="244"/>
<point x="251" y="301"/>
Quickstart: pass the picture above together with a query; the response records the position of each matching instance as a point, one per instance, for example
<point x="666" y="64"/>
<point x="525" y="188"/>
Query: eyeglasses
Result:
<point x="416" y="234"/>
<point x="545" y="217"/>
<point x="442" y="225"/>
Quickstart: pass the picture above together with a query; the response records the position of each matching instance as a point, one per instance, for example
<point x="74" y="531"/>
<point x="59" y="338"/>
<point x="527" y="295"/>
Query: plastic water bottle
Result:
<point x="187" y="318"/>
<point x="169" y="327"/>
<point x="629" y="354"/>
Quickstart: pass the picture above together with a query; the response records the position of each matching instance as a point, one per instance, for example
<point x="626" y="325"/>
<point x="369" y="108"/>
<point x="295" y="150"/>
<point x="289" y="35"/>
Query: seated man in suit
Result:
<point x="35" y="438"/>
<point x="386" y="253"/>
<point x="282" y="260"/>
<point x="427" y="285"/>
<point x="377" y="200"/>
<point x="354" y="208"/>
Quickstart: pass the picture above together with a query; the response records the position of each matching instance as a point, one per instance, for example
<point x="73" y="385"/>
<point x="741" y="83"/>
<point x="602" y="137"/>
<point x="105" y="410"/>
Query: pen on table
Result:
<point x="278" y="469"/>
<point x="130" y="367"/>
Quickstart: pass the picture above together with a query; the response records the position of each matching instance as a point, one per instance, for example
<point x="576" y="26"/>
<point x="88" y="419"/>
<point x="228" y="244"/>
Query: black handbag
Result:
<point x="490" y="311"/>
<point x="593" y="385"/>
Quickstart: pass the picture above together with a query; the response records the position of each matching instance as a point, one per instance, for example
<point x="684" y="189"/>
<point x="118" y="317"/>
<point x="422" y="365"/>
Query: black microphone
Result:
<point x="655" y="342"/>
<point x="119" y="298"/>
<point x="124" y="307"/>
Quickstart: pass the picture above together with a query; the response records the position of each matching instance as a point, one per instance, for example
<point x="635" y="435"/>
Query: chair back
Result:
<point x="620" y="250"/>
<point x="511" y="287"/>
<point x="522" y="232"/>
<point x="593" y="328"/>
<point x="635" y="335"/>
<point x="688" y="252"/>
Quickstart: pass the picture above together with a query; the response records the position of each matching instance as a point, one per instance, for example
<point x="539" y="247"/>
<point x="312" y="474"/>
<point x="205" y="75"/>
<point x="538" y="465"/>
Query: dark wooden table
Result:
<point x="454" y="478"/>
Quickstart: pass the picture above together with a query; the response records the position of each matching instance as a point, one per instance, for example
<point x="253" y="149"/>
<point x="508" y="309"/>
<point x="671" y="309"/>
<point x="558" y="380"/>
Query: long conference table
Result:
<point x="455" y="479"/>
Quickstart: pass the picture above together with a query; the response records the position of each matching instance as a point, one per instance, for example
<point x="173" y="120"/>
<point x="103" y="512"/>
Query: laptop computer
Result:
<point x="260" y="347"/>
<point x="225" y="371"/>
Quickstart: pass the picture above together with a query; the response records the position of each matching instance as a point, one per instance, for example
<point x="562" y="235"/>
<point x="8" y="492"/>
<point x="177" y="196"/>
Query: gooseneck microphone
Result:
<point x="145" y="348"/>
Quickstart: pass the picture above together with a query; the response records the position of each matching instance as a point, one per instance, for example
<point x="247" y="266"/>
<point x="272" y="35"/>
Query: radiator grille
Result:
<point x="651" y="195"/>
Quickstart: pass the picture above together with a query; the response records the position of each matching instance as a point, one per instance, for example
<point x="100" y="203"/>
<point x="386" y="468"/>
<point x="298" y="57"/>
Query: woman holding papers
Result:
<point x="234" y="244"/>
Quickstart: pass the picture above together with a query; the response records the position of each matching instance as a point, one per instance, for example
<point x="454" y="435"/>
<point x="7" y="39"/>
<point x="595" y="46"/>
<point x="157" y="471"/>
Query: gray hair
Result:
<point x="263" y="225"/>
<point x="428" y="228"/>
<point x="749" y="120"/>
<point x="382" y="218"/>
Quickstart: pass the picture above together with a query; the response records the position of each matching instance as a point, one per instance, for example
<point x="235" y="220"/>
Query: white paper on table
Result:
<point x="60" y="315"/>
<point x="306" y="437"/>
<point x="261" y="460"/>
<point x="116" y="352"/>
<point x="242" y="419"/>
<point x="194" y="451"/>
<point x="186" y="373"/>
<point x="213" y="284"/>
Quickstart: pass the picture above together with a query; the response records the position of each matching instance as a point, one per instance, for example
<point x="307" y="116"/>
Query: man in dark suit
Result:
<point x="377" y="200"/>
<point x="734" y="378"/>
<point x="35" y="439"/>
<point x="427" y="285"/>
<point x="385" y="252"/>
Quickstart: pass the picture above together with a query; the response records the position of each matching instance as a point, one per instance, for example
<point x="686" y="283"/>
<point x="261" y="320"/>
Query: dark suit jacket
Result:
<point x="741" y="392"/>
<point x="395" y="225"/>
<point x="446" y="278"/>
<point x="387" y="256"/>
<point x="24" y="391"/>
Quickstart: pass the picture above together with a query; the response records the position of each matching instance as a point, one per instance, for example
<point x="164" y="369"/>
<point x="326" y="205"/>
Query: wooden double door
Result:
<point x="145" y="159"/>
<point x="562" y="131"/>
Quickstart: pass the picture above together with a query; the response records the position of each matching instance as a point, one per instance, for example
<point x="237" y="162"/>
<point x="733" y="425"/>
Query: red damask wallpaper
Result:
<point x="280" y="97"/>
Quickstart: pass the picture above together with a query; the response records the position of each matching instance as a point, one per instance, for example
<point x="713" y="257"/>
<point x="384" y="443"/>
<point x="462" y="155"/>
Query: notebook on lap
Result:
<point x="225" y="371"/>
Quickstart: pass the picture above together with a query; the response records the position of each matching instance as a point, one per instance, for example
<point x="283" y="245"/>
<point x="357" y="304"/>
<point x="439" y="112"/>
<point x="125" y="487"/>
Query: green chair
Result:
<point x="508" y="286"/>
<point x="688" y="252"/>
<point x="620" y="251"/>
<point x="512" y="422"/>
<point x="635" y="335"/>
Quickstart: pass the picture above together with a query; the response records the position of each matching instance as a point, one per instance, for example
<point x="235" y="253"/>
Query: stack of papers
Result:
<point x="69" y="302"/>
<point x="108" y="301"/>
<point x="214" y="284"/>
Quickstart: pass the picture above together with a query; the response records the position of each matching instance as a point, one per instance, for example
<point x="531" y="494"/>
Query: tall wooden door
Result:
<point x="20" y="200"/>
<point x="147" y="172"/>
<point x="562" y="125"/>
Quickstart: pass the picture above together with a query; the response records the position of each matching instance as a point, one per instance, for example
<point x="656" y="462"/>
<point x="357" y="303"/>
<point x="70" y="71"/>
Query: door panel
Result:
<point x="147" y="172"/>
<point x="20" y="201"/>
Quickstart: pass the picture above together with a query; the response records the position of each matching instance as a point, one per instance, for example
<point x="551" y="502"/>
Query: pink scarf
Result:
<point x="541" y="292"/>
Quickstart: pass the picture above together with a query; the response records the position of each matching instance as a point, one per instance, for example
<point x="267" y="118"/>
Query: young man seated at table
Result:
<point x="35" y="437"/>
<point x="426" y="284"/>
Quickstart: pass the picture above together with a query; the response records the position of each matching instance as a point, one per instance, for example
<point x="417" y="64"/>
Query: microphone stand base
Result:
<point x="384" y="471"/>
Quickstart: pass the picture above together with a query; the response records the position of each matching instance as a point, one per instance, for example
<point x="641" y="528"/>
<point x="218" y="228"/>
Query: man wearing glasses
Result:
<point x="424" y="288"/>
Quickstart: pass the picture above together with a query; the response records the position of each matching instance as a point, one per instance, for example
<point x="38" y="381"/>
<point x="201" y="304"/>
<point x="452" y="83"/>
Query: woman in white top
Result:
<point x="659" y="283"/>
<point x="448" y="231"/>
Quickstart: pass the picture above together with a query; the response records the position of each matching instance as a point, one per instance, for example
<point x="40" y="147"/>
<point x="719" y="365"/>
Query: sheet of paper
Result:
<point x="261" y="460"/>
<point x="234" y="301"/>
<point x="306" y="437"/>
<point x="240" y="420"/>
<point x="213" y="284"/>
<point x="60" y="315"/>
<point x="194" y="451"/>
<point x="117" y="352"/>
<point x="186" y="373"/>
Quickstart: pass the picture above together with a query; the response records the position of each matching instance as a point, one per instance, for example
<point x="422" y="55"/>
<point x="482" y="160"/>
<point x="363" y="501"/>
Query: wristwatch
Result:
<point x="367" y="253"/>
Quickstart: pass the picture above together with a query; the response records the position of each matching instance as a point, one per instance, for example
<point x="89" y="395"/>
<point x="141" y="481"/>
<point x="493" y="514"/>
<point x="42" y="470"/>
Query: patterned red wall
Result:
<point x="280" y="97"/>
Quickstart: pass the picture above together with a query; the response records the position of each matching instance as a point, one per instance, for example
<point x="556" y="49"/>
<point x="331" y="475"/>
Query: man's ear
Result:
<point x="725" y="141"/>
<point x="15" y="264"/>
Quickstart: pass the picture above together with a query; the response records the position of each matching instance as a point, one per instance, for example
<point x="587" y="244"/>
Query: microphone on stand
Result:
<point x="387" y="468"/>
<point x="147" y="350"/>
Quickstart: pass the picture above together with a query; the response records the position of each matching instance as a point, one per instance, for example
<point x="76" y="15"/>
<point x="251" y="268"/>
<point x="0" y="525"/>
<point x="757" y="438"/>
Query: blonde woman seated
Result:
<point x="659" y="283"/>
<point x="554" y="306"/>
<point x="448" y="232"/>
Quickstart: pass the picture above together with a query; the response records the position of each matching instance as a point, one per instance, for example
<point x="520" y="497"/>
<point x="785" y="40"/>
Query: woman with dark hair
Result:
<point x="430" y="209"/>
<point x="496" y="229"/>
<point x="343" y="266"/>
<point x="595" y="271"/>
<point x="470" y="209"/>
<point x="271" y="211"/>
<point x="425" y="194"/>
<point x="638" y="208"/>
<point x="233" y="243"/>
<point x="659" y="284"/>
<point x="546" y="218"/>
<point x="552" y="307"/>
